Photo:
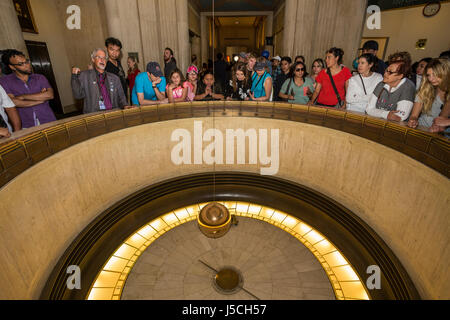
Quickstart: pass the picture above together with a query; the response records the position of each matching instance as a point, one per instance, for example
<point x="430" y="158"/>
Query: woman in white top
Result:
<point x="8" y="109"/>
<point x="433" y="94"/>
<point x="361" y="86"/>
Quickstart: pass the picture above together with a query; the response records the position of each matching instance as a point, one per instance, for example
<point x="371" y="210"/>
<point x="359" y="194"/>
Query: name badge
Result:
<point x="101" y="105"/>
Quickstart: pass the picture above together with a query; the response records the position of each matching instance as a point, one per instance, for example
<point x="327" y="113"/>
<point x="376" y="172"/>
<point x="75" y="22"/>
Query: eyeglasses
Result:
<point x="100" y="58"/>
<point x="300" y="69"/>
<point x="21" y="63"/>
<point x="390" y="72"/>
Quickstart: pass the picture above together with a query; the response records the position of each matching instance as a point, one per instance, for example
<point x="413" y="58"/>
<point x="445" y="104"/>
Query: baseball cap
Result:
<point x="192" y="69"/>
<point x="155" y="69"/>
<point x="260" y="65"/>
<point x="276" y="58"/>
<point x="243" y="55"/>
<point x="265" y="54"/>
<point x="370" y="45"/>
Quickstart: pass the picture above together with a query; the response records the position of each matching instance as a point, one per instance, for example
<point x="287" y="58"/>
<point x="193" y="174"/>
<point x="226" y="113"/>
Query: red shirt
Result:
<point x="327" y="95"/>
<point x="132" y="78"/>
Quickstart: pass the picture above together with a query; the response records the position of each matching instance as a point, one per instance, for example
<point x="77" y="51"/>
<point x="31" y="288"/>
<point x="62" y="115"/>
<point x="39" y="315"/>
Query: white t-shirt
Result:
<point x="418" y="82"/>
<point x="357" y="99"/>
<point x="5" y="102"/>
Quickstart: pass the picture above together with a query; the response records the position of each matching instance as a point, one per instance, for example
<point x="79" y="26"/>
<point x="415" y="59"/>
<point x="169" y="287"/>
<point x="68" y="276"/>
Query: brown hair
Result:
<point x="338" y="53"/>
<point x="240" y="67"/>
<point x="131" y="70"/>
<point x="404" y="60"/>
<point x="181" y="76"/>
<point x="251" y="56"/>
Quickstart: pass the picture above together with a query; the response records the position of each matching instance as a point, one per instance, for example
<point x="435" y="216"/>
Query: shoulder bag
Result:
<point x="340" y="102"/>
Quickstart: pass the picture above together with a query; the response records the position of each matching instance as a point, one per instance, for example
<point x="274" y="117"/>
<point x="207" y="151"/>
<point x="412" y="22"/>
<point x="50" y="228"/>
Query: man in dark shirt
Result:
<point x="170" y="64"/>
<point x="114" y="47"/>
<point x="371" y="46"/>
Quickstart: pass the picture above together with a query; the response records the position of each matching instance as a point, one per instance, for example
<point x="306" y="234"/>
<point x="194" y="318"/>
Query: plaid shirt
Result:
<point x="276" y="73"/>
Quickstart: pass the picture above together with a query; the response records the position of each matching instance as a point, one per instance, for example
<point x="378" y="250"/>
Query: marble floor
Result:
<point x="274" y="266"/>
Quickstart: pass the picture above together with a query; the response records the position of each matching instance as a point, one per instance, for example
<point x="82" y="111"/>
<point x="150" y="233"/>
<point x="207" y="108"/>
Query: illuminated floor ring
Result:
<point x="345" y="282"/>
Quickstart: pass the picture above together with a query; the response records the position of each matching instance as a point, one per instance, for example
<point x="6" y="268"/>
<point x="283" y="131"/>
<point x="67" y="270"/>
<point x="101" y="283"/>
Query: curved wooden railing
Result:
<point x="28" y="147"/>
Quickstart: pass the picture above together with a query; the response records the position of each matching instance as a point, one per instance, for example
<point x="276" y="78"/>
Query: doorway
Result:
<point x="40" y="61"/>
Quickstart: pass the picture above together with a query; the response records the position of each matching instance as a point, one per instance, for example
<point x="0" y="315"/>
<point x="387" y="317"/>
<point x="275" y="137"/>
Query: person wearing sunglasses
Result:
<point x="299" y="87"/>
<point x="30" y="92"/>
<point x="393" y="98"/>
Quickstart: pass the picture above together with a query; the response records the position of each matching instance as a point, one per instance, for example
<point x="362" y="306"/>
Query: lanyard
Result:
<point x="256" y="86"/>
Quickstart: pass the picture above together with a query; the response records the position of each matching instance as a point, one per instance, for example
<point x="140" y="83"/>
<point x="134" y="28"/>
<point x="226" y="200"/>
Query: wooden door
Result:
<point x="40" y="60"/>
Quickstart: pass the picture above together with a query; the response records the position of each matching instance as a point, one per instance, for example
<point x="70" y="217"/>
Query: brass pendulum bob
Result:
<point x="214" y="220"/>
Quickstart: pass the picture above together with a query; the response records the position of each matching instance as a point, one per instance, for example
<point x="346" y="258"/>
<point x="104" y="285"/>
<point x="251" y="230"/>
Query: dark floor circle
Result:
<point x="228" y="280"/>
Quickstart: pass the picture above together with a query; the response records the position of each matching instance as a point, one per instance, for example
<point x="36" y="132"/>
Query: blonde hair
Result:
<point x="427" y="92"/>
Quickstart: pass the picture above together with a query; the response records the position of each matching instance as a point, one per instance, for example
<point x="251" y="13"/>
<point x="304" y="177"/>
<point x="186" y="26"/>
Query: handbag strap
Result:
<point x="362" y="81"/>
<point x="334" y="87"/>
<point x="289" y="87"/>
<point x="263" y="76"/>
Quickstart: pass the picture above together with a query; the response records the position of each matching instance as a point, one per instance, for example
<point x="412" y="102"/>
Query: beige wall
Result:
<point x="80" y="43"/>
<point x="405" y="26"/>
<point x="66" y="47"/>
<point x="278" y="26"/>
<point x="50" y="26"/>
<point x="194" y="20"/>
<point x="313" y="26"/>
<point x="11" y="34"/>
<point x="194" y="26"/>
<point x="405" y="202"/>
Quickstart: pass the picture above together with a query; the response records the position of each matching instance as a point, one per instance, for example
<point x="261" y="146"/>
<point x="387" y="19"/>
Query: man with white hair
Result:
<point x="100" y="89"/>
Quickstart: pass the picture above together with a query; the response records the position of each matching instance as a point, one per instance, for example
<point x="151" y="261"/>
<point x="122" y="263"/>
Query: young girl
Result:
<point x="133" y="71"/>
<point x="191" y="83"/>
<point x="241" y="83"/>
<point x="433" y="94"/>
<point x="317" y="66"/>
<point x="175" y="90"/>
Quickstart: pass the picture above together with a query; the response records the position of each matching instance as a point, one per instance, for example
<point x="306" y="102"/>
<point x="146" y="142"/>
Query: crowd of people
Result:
<point x="397" y="90"/>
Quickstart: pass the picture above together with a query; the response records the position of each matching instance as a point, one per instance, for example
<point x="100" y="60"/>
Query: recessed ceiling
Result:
<point x="236" y="21"/>
<point x="238" y="5"/>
